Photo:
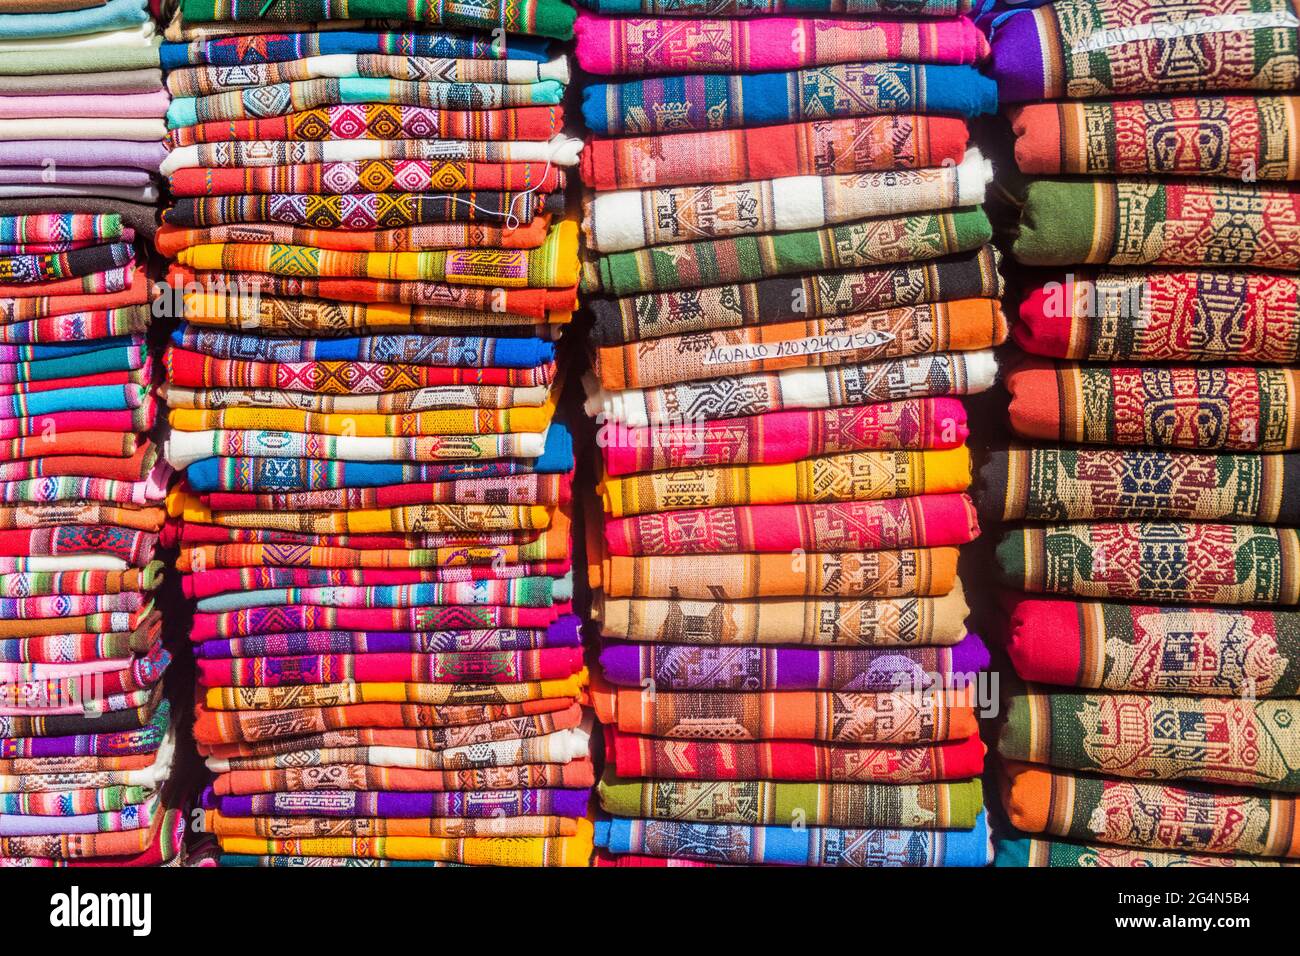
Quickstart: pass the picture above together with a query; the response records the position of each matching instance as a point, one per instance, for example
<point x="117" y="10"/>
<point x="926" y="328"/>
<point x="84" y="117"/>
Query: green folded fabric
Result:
<point x="1058" y="853"/>
<point x="80" y="60"/>
<point x="549" y="18"/>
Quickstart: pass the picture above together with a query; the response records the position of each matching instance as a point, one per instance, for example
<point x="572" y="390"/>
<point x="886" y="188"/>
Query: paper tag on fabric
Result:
<point x="815" y="345"/>
<point x="1194" y="26"/>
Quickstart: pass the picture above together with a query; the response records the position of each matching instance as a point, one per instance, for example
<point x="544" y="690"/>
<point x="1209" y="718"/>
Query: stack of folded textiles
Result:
<point x="1153" y="584"/>
<point x="793" y="288"/>
<point x="86" y="736"/>
<point x="369" y="239"/>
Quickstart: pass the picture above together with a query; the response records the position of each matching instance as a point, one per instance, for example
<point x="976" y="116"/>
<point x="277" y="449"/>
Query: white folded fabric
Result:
<point x="85" y="127"/>
<point x="945" y="373"/>
<point x="133" y="38"/>
<point x="63" y="562"/>
<point x="636" y="218"/>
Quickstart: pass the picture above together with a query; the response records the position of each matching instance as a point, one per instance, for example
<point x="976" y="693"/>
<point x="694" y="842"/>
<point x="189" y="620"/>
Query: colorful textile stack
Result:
<point x="374" y="522"/>
<point x="1154" y="562"/>
<point x="792" y="288"/>
<point x="86" y="736"/>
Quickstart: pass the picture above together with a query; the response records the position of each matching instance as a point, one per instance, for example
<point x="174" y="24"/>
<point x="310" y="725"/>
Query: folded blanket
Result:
<point x="797" y="846"/>
<point x="232" y="583"/>
<point x="197" y="81"/>
<point x="829" y="716"/>
<point x="859" y="476"/>
<point x="927" y="521"/>
<point x="793" y="760"/>
<point x="100" y="800"/>
<point x="965" y="325"/>
<point x="825" y="147"/>
<point x="1154" y="816"/>
<point x="1085" y="49"/>
<point x="577" y="773"/>
<point x="541" y="592"/>
<point x="912" y="669"/>
<point x="553" y="265"/>
<point x="795" y="298"/>
<point x="790" y="436"/>
<point x="526" y="489"/>
<point x="1227" y="137"/>
<point x="830" y="622"/>
<point x="284" y="99"/>
<point x="71" y="158"/>
<point x="930" y="806"/>
<point x="363" y="210"/>
<point x="1049" y="483"/>
<point x="474" y="851"/>
<point x="386" y="121"/>
<point x="398" y="805"/>
<point x="94" y="18"/>
<point x="873" y="242"/>
<point x="1161" y="561"/>
<point x="721" y="101"/>
<point x="1164" y="316"/>
<point x="550" y="18"/>
<point x="948" y="373"/>
<point x="923" y="572"/>
<point x="1239" y="741"/>
<point x="438" y="398"/>
<point x="379" y="175"/>
<point x="1232" y="408"/>
<point x="115" y="57"/>
<point x="63" y="105"/>
<point x="634" y="219"/>
<point x="749" y="8"/>
<point x="143" y="80"/>
<point x="363" y="830"/>
<point x="172" y="239"/>
<point x="1058" y="853"/>
<point x="145" y="740"/>
<point x="230" y="49"/>
<point x="1130" y="222"/>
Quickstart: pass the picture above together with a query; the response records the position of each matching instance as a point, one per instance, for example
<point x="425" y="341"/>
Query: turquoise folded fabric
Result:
<point x="114" y="15"/>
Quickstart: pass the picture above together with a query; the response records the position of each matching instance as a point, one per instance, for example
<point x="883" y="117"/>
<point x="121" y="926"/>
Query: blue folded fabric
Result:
<point x="53" y="350"/>
<point x="448" y="351"/>
<point x="269" y="475"/>
<point x="114" y="15"/>
<point x="713" y="101"/>
<point x="94" y="398"/>
<point x="297" y="46"/>
<point x="480" y="594"/>
<point x="805" y="846"/>
<point x="120" y="359"/>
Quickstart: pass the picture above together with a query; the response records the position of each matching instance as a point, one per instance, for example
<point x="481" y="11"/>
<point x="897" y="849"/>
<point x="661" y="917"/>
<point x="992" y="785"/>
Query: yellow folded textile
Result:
<point x="345" y="694"/>
<point x="410" y="519"/>
<point x="479" y="851"/>
<point x="554" y="265"/>
<point x="859" y="476"/>
<point x="446" y="828"/>
<point x="460" y="421"/>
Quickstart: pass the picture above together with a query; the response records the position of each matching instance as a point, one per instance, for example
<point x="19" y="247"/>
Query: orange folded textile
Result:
<point x="55" y="513"/>
<point x="310" y="828"/>
<point x="450" y="235"/>
<point x="578" y="773"/>
<point x="138" y="292"/>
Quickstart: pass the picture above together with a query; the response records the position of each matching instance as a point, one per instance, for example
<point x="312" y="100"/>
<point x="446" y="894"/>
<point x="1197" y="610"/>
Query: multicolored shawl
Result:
<point x="577" y="773"/>
<point x="1151" y="816"/>
<point x="1127" y="222"/>
<point x="387" y="121"/>
<point x="462" y="519"/>
<point x="966" y="325"/>
<point x="375" y="175"/>
<point x="1234" y="408"/>
<point x="442" y="398"/>
<point x="473" y="851"/>
<point x="675" y="104"/>
<point x="172" y="239"/>
<point x="1219" y="651"/>
<point x="1164" y="316"/>
<point x="72" y="802"/>
<point x="145" y="740"/>
<point x="634" y="219"/>
<point x="839" y="146"/>
<point x="88" y="638"/>
<point x="511" y="489"/>
<point x="550" y="18"/>
<point x="859" y="476"/>
<point x="363" y="829"/>
<point x="76" y="263"/>
<point x="948" y="373"/>
<point x="793" y="760"/>
<point x="829" y="716"/>
<point x="797" y="846"/>
<point x="635" y="47"/>
<point x="300" y="617"/>
<point x="1239" y="741"/>
<point x="363" y="210"/>
<point x="796" y="298"/>
<point x="1227" y="137"/>
<point x="471" y="667"/>
<point x="923" y="572"/>
<point x="77" y="327"/>
<point x="929" y="806"/>
<point x="540" y="592"/>
<point x="1160" y="561"/>
<point x="871" y="670"/>
<point x="283" y="99"/>
<point x="857" y="245"/>
<point x="60" y="228"/>
<point x="232" y="581"/>
<point x="553" y="265"/>
<point x="128" y="544"/>
<point x="829" y="622"/>
<point x="926" y="521"/>
<point x="239" y="50"/>
<point x="1086" y="49"/>
<point x="778" y="437"/>
<point x="1058" y="853"/>
<point x="753" y="8"/>
<point x="136" y="290"/>
<point x="396" y="805"/>
<point x="207" y="80"/>
<point x="1051" y="483"/>
<point x="563" y="633"/>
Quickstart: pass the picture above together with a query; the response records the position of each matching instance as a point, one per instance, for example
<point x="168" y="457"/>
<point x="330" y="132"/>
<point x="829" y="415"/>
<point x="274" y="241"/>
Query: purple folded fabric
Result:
<point x="102" y="152"/>
<point x="377" y="804"/>
<point x="748" y="668"/>
<point x="74" y="176"/>
<point x="132" y="817"/>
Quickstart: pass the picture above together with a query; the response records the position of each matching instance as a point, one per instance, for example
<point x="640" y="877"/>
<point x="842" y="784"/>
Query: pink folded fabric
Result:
<point x="124" y="106"/>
